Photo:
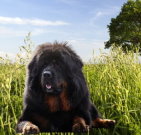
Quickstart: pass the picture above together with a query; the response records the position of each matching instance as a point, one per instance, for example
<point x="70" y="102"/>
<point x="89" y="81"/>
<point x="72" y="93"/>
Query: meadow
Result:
<point x="114" y="81"/>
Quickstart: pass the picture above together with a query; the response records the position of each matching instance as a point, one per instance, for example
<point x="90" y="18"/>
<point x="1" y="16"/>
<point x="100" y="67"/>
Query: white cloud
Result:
<point x="35" y="22"/>
<point x="100" y="13"/>
<point x="12" y="32"/>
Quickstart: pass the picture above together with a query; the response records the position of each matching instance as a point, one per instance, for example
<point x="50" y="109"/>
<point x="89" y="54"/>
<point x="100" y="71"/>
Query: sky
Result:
<point x="82" y="23"/>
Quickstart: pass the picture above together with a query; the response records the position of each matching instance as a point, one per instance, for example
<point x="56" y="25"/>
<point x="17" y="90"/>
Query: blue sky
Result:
<point x="83" y="23"/>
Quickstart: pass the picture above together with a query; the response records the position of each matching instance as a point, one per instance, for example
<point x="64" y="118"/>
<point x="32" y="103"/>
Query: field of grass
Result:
<point x="114" y="81"/>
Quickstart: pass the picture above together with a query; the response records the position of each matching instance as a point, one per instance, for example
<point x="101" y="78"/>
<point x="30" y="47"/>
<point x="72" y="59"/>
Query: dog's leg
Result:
<point x="97" y="121"/>
<point x="79" y="125"/>
<point x="25" y="124"/>
<point x="103" y="123"/>
<point x="26" y="127"/>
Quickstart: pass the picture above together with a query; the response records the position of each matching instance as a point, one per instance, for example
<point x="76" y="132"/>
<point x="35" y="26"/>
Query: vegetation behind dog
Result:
<point x="114" y="81"/>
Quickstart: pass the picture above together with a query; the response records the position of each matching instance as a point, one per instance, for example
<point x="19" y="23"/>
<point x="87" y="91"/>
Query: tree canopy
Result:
<point x="125" y="29"/>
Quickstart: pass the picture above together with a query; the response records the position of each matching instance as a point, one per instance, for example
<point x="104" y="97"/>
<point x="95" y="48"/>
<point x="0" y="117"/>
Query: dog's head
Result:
<point x="55" y="67"/>
<point x="52" y="75"/>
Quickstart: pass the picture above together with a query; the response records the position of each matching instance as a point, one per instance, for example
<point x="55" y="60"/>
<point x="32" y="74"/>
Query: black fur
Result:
<point x="65" y="66"/>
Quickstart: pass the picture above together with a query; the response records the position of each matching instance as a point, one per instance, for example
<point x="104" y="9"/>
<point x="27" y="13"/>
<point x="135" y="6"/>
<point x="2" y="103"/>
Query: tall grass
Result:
<point x="114" y="81"/>
<point x="115" y="85"/>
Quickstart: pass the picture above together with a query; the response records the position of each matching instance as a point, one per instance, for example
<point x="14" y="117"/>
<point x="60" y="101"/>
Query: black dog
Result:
<point x="56" y="97"/>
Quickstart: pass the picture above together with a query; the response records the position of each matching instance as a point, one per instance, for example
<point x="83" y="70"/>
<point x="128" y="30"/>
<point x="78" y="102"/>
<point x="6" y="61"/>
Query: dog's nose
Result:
<point x="47" y="74"/>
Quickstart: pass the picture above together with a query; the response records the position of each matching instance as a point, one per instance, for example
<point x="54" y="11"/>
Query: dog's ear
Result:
<point x="77" y="61"/>
<point x="32" y="73"/>
<point x="31" y="63"/>
<point x="72" y="62"/>
<point x="77" y="83"/>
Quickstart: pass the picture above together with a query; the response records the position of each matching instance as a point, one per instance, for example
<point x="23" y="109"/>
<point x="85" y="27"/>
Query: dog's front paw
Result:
<point x="30" y="128"/>
<point x="103" y="123"/>
<point x="78" y="127"/>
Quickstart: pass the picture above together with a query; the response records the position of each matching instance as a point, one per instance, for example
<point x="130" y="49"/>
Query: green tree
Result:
<point x="125" y="29"/>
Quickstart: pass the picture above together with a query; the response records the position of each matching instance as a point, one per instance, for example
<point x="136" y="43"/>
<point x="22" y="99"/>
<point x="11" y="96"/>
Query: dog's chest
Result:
<point x="58" y="103"/>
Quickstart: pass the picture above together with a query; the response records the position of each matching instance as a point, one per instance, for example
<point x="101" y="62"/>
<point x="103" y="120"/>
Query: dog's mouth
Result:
<point x="50" y="89"/>
<point x="48" y="86"/>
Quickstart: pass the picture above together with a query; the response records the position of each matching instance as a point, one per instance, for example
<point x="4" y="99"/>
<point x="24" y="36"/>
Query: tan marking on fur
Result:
<point x="65" y="104"/>
<point x="79" y="120"/>
<point x="98" y="122"/>
<point x="79" y="124"/>
<point x="52" y="102"/>
<point x="59" y="102"/>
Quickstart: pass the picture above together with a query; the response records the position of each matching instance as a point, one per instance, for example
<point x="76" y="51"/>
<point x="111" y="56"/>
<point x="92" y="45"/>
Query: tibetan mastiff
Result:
<point x="56" y="97"/>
